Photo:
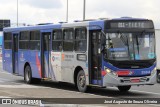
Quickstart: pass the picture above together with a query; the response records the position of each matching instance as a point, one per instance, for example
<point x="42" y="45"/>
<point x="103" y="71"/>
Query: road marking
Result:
<point x="157" y="105"/>
<point x="5" y="72"/>
<point x="4" y="97"/>
<point x="3" y="79"/>
<point x="146" y="92"/>
<point x="21" y="86"/>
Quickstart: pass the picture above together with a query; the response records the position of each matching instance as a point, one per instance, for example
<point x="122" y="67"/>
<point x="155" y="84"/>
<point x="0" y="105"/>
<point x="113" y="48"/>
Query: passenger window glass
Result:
<point x="35" y="40"/>
<point x="24" y="40"/>
<point x="81" y="39"/>
<point x="57" y="40"/>
<point x="68" y="42"/>
<point x="8" y="40"/>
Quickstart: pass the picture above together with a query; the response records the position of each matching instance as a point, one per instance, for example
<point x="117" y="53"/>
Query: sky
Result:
<point x="54" y="11"/>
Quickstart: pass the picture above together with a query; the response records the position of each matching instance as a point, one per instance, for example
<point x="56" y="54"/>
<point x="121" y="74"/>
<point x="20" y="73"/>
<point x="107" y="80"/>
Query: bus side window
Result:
<point x="57" y="40"/>
<point x="80" y="39"/>
<point x="68" y="42"/>
<point x="8" y="40"/>
<point x="35" y="40"/>
<point x="24" y="40"/>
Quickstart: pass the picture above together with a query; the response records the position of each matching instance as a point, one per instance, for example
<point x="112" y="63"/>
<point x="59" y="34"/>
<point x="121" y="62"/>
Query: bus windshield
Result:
<point x="130" y="46"/>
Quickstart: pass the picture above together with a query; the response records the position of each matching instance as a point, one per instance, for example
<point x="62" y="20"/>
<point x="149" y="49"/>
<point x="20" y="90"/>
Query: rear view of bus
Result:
<point x="129" y="53"/>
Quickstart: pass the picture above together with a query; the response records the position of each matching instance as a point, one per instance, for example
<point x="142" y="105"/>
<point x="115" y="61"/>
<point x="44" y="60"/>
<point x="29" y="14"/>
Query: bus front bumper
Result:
<point x="111" y="80"/>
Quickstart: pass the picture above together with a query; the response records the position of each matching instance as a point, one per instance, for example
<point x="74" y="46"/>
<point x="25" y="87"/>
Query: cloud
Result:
<point x="121" y="7"/>
<point x="113" y="8"/>
<point x="7" y="1"/>
<point x="41" y="11"/>
<point x="45" y="4"/>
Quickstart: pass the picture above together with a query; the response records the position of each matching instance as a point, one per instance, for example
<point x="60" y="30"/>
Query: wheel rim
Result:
<point x="82" y="81"/>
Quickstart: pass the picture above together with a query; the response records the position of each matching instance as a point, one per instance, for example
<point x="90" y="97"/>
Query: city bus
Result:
<point x="117" y="52"/>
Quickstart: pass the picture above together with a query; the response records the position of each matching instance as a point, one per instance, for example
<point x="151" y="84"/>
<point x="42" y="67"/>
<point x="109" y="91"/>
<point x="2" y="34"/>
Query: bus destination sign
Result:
<point x="132" y="24"/>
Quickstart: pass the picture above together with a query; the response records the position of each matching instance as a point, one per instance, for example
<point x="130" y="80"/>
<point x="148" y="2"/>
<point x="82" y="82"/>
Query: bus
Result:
<point x="117" y="52"/>
<point x="157" y="33"/>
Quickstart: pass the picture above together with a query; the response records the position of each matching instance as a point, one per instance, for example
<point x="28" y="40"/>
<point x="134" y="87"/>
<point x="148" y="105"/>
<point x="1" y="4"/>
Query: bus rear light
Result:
<point x="103" y="73"/>
<point x="123" y="73"/>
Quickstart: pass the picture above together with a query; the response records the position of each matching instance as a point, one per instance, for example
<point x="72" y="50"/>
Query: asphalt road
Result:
<point x="14" y="87"/>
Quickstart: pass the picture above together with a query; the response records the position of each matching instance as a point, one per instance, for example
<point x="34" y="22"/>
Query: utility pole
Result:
<point x="67" y="12"/>
<point x="84" y="9"/>
<point x="17" y="13"/>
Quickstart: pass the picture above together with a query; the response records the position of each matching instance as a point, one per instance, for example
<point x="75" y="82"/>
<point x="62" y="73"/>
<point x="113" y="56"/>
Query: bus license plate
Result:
<point x="135" y="80"/>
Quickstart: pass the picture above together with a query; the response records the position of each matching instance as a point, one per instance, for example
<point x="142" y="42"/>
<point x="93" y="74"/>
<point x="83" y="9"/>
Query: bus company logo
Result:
<point x="53" y="58"/>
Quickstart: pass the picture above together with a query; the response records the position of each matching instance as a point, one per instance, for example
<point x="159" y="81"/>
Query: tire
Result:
<point x="158" y="76"/>
<point x="81" y="82"/>
<point x="28" y="75"/>
<point x="124" y="88"/>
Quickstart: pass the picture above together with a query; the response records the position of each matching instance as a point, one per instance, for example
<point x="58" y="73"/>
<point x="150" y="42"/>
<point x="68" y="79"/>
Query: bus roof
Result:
<point x="36" y="27"/>
<point x="58" y="26"/>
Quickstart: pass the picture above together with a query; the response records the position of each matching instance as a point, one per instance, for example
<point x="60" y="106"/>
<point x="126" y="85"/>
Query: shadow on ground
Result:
<point x="109" y="92"/>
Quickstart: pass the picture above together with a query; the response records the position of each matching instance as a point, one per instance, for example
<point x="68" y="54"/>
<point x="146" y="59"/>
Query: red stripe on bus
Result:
<point x="38" y="65"/>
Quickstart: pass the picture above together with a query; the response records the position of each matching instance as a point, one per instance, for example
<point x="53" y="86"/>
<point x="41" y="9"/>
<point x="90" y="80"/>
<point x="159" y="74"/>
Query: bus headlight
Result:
<point x="108" y="71"/>
<point x="154" y="71"/>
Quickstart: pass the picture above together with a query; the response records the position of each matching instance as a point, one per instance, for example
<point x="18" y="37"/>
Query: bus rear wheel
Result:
<point x="81" y="81"/>
<point x="28" y="75"/>
<point x="124" y="88"/>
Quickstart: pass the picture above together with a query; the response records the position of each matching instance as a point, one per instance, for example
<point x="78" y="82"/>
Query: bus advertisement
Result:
<point x="116" y="52"/>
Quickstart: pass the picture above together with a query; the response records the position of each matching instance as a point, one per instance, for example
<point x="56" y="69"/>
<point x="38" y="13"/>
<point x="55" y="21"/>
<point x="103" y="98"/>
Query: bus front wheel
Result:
<point x="158" y="76"/>
<point x="81" y="81"/>
<point x="28" y="75"/>
<point x="124" y="88"/>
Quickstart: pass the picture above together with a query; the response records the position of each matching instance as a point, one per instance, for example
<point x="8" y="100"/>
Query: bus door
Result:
<point x="15" y="53"/>
<point x="95" y="57"/>
<point x="45" y="48"/>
